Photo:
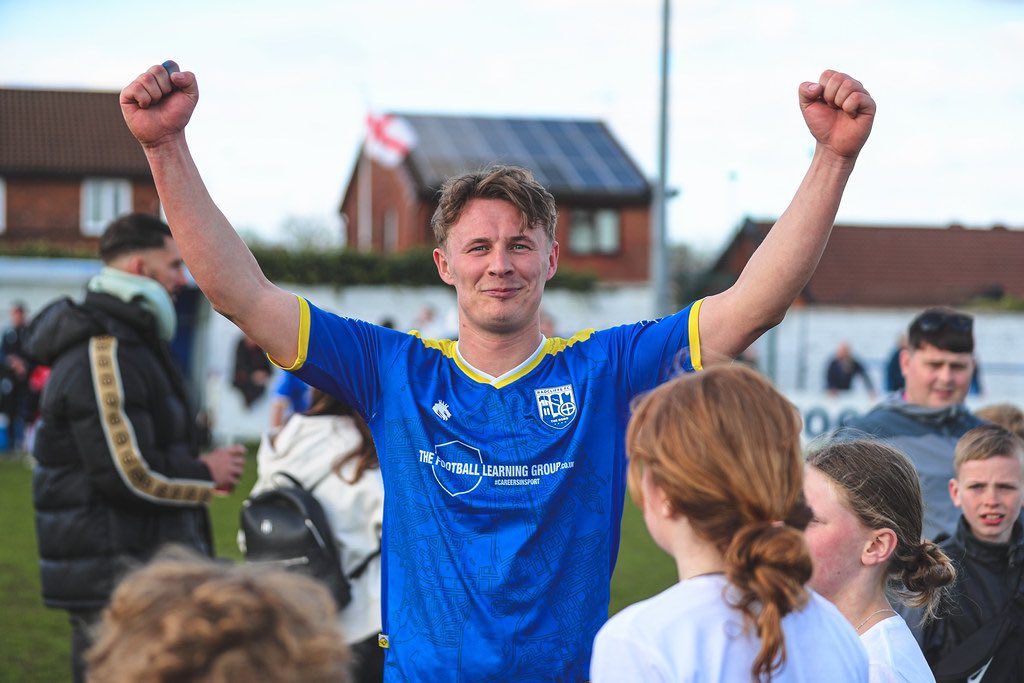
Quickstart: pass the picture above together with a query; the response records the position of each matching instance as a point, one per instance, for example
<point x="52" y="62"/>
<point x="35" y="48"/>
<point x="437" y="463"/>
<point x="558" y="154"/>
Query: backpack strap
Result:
<point x="358" y="571"/>
<point x="298" y="483"/>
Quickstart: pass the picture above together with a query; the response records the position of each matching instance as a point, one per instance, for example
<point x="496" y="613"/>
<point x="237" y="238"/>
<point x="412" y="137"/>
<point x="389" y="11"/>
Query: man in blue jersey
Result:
<point x="502" y="454"/>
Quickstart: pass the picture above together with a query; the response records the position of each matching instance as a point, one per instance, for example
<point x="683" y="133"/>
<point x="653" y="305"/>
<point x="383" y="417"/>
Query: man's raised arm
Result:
<point x="839" y="113"/>
<point x="157" y="106"/>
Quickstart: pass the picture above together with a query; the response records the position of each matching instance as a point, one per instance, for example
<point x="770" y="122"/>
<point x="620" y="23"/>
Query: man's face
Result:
<point x="497" y="268"/>
<point x="163" y="265"/>
<point x="936" y="378"/>
<point x="835" y="536"/>
<point x="989" y="492"/>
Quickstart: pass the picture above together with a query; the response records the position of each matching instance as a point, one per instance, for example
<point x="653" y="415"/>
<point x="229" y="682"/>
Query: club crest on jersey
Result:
<point x="556" y="405"/>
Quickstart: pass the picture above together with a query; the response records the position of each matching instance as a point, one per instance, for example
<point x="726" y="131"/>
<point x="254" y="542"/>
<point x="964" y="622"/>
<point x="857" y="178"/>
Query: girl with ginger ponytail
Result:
<point x="715" y="465"/>
<point x="865" y="539"/>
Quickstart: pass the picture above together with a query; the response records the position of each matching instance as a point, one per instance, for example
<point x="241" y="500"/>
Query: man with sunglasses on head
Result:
<point x="928" y="416"/>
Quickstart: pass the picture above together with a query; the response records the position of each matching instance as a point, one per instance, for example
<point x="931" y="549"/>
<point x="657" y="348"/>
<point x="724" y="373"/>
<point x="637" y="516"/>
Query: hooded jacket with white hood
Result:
<point x="307" y="447"/>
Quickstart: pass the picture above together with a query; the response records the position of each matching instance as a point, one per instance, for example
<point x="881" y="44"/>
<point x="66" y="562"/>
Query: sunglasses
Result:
<point x="932" y="322"/>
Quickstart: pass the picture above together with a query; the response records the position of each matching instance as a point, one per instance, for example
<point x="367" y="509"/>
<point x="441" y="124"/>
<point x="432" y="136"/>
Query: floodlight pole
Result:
<point x="659" y="244"/>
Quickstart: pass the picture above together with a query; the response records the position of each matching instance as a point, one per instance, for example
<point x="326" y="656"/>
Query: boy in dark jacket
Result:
<point x="987" y="550"/>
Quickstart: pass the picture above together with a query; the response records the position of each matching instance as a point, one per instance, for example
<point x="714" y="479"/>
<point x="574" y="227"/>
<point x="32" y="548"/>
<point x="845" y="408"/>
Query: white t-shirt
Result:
<point x="893" y="654"/>
<point x="689" y="633"/>
<point x="306" y="448"/>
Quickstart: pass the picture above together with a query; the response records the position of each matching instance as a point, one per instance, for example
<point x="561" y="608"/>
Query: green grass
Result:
<point x="643" y="569"/>
<point x="34" y="641"/>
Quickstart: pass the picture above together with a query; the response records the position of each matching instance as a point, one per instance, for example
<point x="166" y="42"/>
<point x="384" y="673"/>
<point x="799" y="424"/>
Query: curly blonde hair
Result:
<point x="185" y="618"/>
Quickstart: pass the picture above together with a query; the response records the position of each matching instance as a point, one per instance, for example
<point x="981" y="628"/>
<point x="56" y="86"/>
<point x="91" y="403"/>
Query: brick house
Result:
<point x="889" y="266"/>
<point x="603" y="198"/>
<point x="870" y="283"/>
<point x="68" y="165"/>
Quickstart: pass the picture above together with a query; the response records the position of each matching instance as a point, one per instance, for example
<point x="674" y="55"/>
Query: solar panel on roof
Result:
<point x="500" y="137"/>
<point x="569" y="157"/>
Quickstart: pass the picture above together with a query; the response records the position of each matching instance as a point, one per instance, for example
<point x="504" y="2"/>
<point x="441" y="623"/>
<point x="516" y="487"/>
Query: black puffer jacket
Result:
<point x="117" y="474"/>
<point x="989" y="575"/>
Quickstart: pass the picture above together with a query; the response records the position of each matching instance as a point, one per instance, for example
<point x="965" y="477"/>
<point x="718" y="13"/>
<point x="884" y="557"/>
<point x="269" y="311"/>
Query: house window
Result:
<point x="103" y="200"/>
<point x="3" y="206"/>
<point x="595" y="231"/>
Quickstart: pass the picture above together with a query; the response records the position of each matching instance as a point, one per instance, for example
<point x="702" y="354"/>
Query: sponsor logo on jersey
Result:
<point x="457" y="467"/>
<point x="556" y="405"/>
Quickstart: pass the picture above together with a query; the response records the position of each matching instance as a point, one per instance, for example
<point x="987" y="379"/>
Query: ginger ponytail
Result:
<point x="768" y="565"/>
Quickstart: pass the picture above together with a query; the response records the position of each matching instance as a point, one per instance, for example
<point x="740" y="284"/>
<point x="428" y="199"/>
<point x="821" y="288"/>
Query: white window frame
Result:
<point x="103" y="200"/>
<point x="595" y="232"/>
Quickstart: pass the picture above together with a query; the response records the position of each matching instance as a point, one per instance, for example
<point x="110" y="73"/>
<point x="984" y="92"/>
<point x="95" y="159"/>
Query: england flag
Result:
<point x="389" y="139"/>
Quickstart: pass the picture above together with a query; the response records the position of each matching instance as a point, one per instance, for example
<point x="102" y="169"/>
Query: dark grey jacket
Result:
<point x="117" y="473"/>
<point x="928" y="437"/>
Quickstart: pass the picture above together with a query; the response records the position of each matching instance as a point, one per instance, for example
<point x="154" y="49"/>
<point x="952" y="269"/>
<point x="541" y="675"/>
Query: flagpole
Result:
<point x="389" y="139"/>
<point x="659" y="246"/>
<point x="364" y="223"/>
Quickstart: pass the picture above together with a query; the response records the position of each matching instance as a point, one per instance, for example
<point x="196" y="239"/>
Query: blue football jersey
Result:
<point x="503" y="496"/>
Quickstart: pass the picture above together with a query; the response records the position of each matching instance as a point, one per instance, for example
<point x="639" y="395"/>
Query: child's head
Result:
<point x="868" y="511"/>
<point x="1005" y="415"/>
<point x="989" y="483"/>
<point x="722" y="448"/>
<point x="185" y="618"/>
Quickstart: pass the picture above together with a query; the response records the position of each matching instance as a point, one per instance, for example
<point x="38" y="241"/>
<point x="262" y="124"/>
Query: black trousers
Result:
<point x="82" y="625"/>
<point x="367" y="661"/>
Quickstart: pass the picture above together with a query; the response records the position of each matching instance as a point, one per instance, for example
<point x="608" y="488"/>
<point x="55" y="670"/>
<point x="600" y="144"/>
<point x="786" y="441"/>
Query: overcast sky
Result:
<point x="284" y="88"/>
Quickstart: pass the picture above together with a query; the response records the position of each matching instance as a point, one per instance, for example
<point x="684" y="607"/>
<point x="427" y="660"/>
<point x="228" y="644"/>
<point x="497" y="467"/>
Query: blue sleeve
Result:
<point x="344" y="356"/>
<point x="653" y="351"/>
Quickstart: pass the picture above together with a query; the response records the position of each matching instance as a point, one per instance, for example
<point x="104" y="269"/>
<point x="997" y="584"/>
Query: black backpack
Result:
<point x="286" y="526"/>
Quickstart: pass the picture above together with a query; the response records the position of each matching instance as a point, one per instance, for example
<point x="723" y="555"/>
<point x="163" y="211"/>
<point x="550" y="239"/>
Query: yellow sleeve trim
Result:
<point x="303" y="348"/>
<point x="694" y="334"/>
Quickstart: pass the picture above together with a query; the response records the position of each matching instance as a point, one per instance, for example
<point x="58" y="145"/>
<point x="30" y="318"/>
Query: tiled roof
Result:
<point x="910" y="266"/>
<point x="66" y="132"/>
<point x="575" y="159"/>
